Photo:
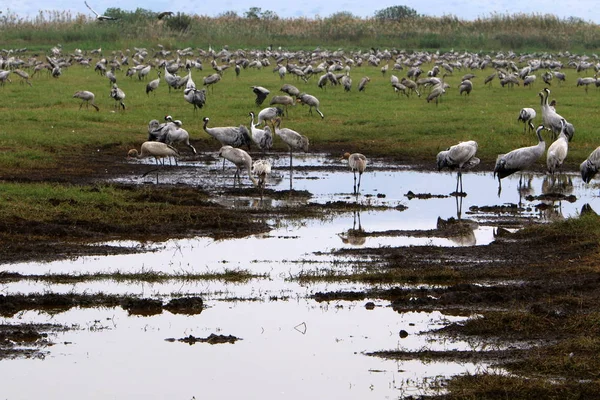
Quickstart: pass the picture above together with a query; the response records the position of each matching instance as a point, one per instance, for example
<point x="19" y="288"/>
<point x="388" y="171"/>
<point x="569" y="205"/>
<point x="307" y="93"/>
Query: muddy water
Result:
<point x="293" y="346"/>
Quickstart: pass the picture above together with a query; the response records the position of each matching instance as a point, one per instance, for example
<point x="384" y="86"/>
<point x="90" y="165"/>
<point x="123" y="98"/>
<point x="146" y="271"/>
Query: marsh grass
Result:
<point x="228" y="275"/>
<point x="517" y="32"/>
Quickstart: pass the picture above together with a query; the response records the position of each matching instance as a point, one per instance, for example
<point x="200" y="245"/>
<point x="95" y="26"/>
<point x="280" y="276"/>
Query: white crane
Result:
<point x="461" y="156"/>
<point x="268" y="114"/>
<point x="241" y="159"/>
<point x="262" y="137"/>
<point x="357" y="163"/>
<point x="261" y="168"/>
<point x="527" y="115"/>
<point x="557" y="152"/>
<point x="519" y="159"/>
<point x="590" y="166"/>
<point x="87" y="97"/>
<point x="100" y="17"/>
<point x="157" y="150"/>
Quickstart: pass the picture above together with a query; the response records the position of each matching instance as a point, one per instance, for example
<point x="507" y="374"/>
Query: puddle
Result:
<point x="129" y="354"/>
<point x="293" y="349"/>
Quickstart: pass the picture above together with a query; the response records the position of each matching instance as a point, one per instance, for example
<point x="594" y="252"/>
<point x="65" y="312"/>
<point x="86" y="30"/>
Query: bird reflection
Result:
<point x="355" y="236"/>
<point x="587" y="209"/>
<point x="554" y="189"/>
<point x="458" y="230"/>
<point x="525" y="188"/>
<point x="557" y="184"/>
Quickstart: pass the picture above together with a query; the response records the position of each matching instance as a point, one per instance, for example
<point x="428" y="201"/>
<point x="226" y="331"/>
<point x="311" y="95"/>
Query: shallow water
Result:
<point x="113" y="355"/>
<point x="293" y="349"/>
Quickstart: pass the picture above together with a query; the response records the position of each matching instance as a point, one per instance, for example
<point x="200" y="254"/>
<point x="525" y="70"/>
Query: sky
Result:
<point x="587" y="10"/>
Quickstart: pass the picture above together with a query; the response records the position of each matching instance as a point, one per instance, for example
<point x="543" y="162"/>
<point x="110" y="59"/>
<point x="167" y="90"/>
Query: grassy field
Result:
<point x="43" y="122"/>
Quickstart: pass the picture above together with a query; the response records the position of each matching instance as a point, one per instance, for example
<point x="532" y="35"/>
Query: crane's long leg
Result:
<point x="291" y="169"/>
<point x="354" y="192"/>
<point x="499" y="186"/>
<point x="358" y="188"/>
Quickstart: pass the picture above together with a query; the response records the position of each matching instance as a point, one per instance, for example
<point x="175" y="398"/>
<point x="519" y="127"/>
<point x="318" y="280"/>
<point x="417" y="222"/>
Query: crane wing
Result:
<point x="91" y="9"/>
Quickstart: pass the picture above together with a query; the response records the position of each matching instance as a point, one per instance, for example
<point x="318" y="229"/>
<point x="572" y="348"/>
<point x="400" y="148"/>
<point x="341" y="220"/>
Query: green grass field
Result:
<point x="43" y="122"/>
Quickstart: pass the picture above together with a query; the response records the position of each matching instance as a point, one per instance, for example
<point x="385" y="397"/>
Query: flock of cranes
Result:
<point x="266" y="125"/>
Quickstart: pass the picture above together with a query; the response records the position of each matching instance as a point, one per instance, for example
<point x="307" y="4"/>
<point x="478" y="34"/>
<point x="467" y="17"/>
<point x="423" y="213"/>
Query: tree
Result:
<point x="253" y="13"/>
<point x="396" y="13"/>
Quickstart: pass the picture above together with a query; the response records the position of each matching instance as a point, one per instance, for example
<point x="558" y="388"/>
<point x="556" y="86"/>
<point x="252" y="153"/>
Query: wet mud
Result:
<point x="543" y="279"/>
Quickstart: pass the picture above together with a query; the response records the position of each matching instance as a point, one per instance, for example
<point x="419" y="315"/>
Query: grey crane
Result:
<point x="294" y="140"/>
<point x="586" y="82"/>
<point x="261" y="94"/>
<point x="465" y="86"/>
<point x="172" y="80"/>
<point x="346" y="82"/>
<point x="118" y="95"/>
<point x="143" y="72"/>
<point x="436" y="92"/>
<point x="489" y="79"/>
<point x="262" y="137"/>
<point x="519" y="159"/>
<point x="241" y="159"/>
<point x="363" y="83"/>
<point x="153" y="85"/>
<point x="157" y="131"/>
<point x="589" y="168"/>
<point x="110" y="74"/>
<point x="357" y="163"/>
<point x="290" y="90"/>
<point x="311" y="101"/>
<point x="557" y="152"/>
<point x="410" y="84"/>
<point x="4" y="77"/>
<point x="195" y="97"/>
<point x="211" y="80"/>
<point x="87" y="97"/>
<point x="235" y="136"/>
<point x="529" y="80"/>
<point x="560" y="76"/>
<point x="284" y="101"/>
<point x="23" y="75"/>
<point x="527" y="115"/>
<point x="551" y="119"/>
<point x="176" y="134"/>
<point x="100" y="17"/>
<point x="461" y="156"/>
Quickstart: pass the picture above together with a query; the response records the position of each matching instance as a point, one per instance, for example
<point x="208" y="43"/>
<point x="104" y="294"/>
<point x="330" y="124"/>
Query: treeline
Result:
<point x="393" y="27"/>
